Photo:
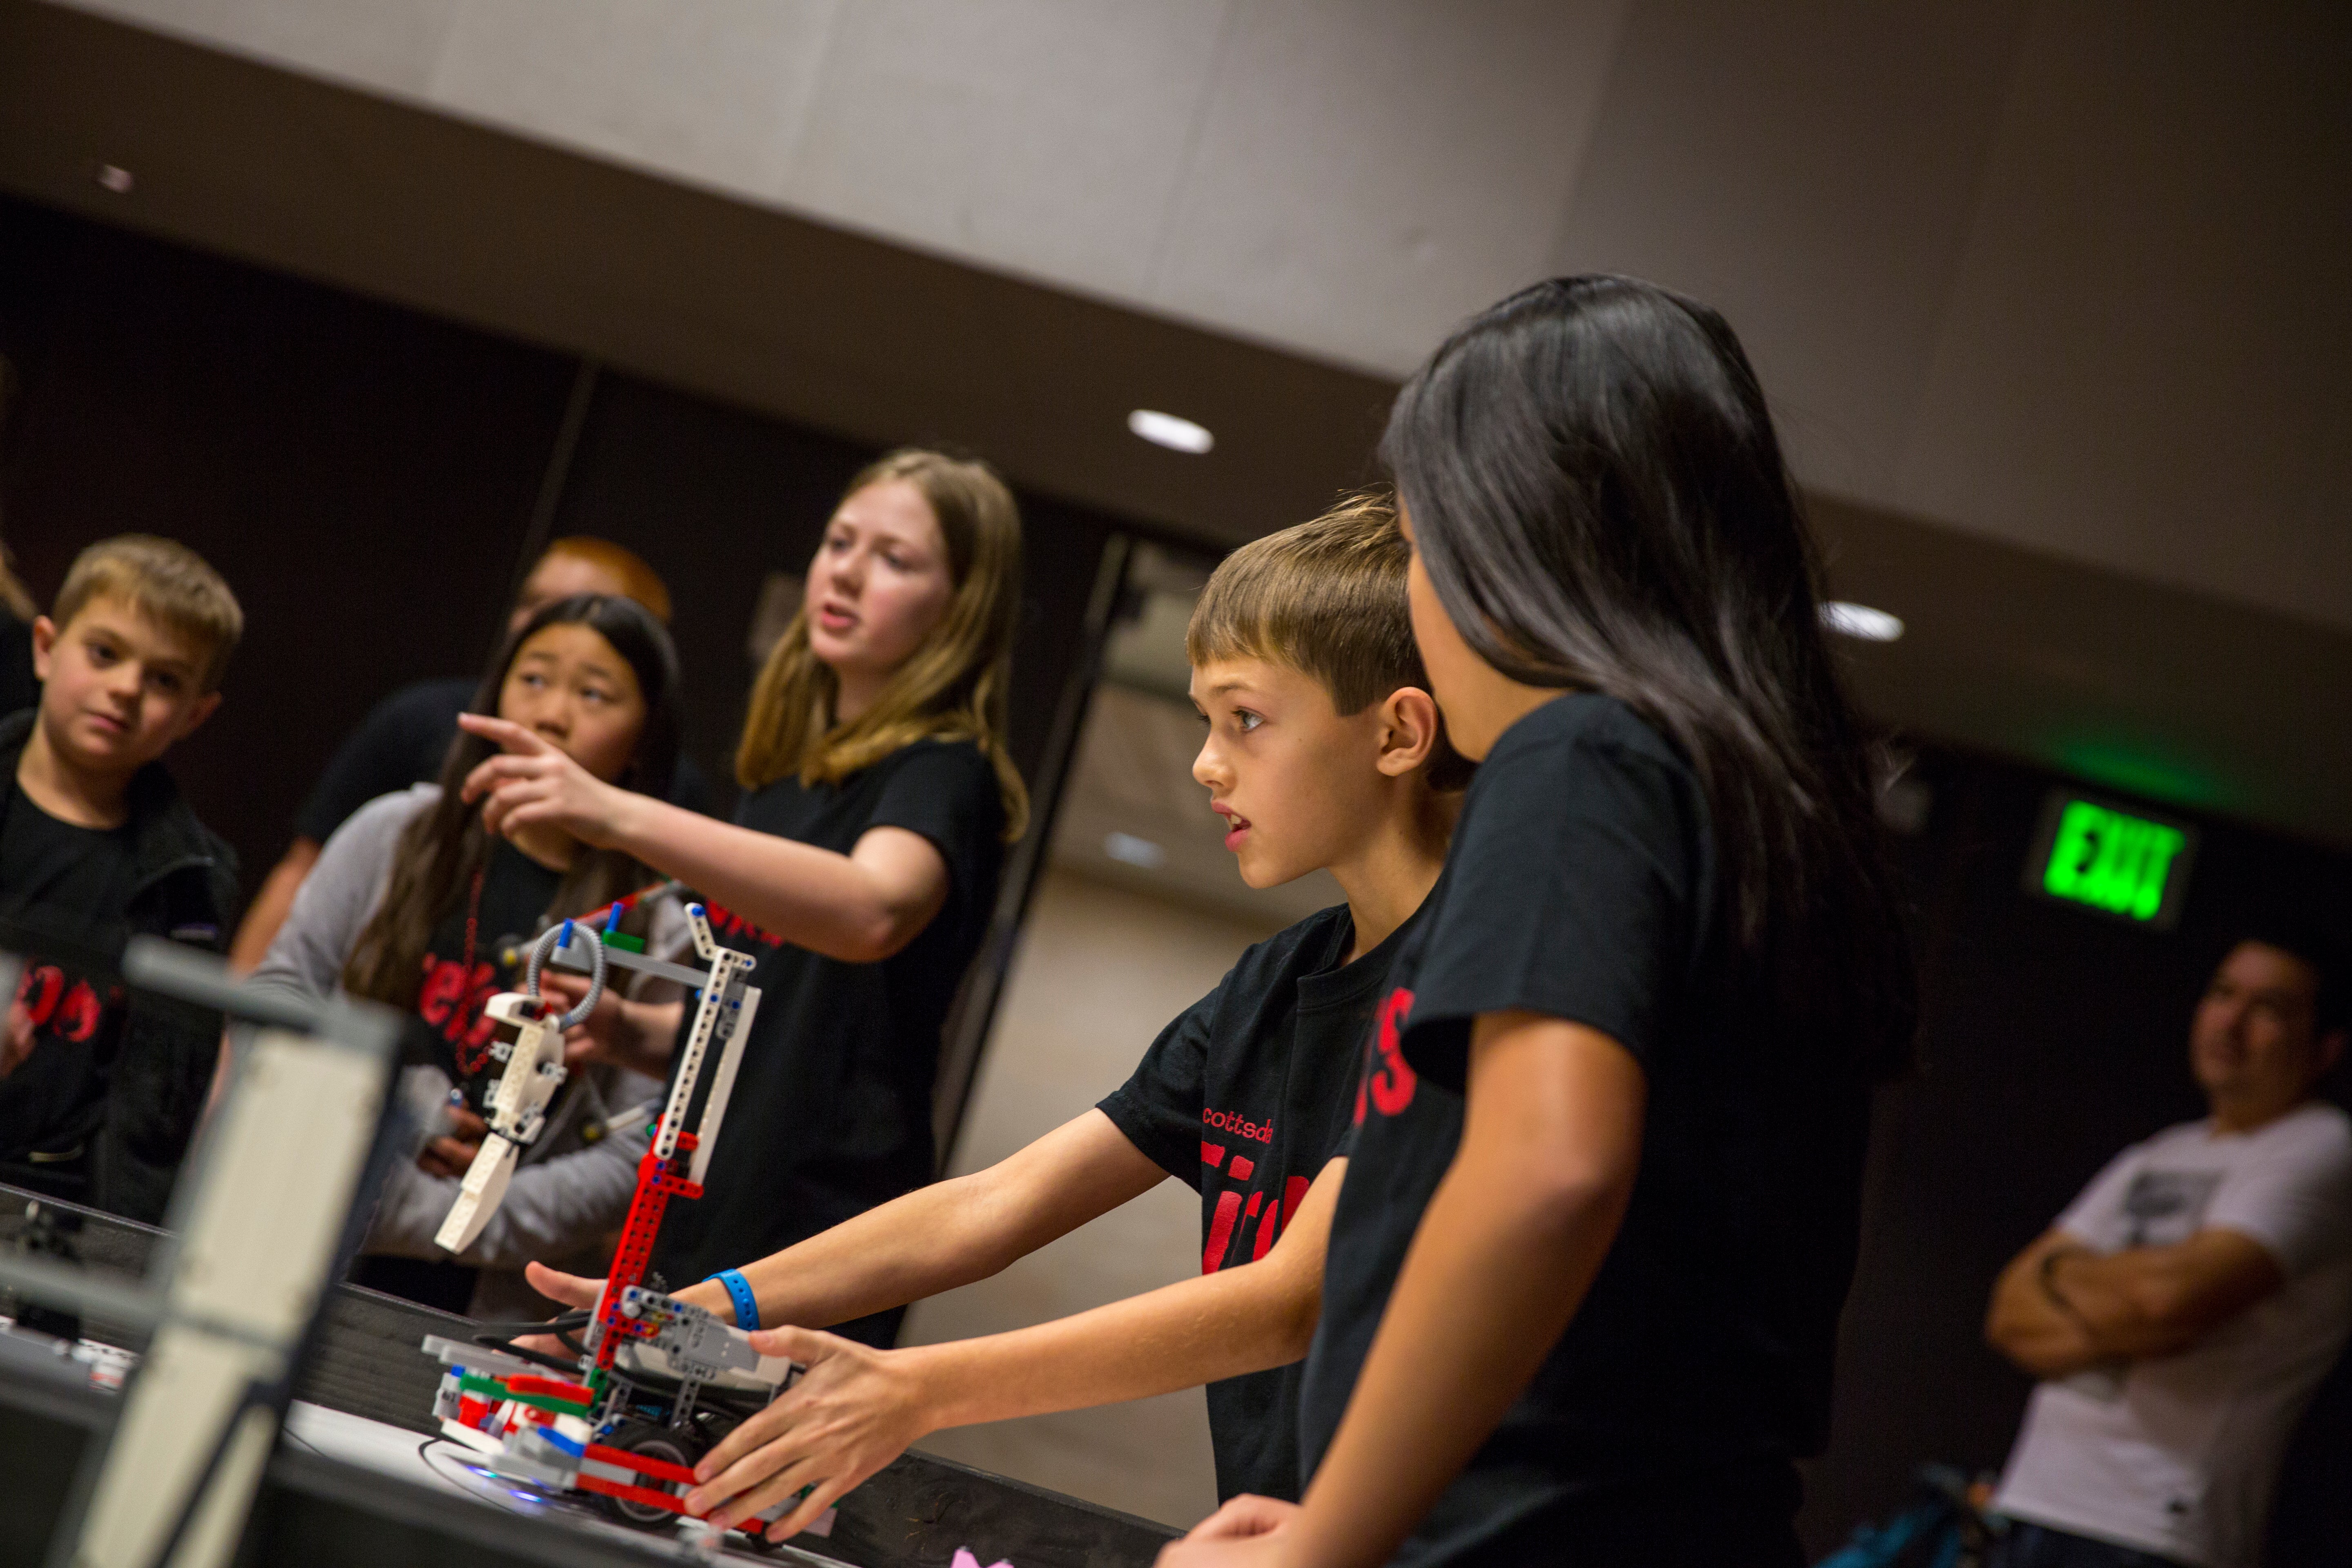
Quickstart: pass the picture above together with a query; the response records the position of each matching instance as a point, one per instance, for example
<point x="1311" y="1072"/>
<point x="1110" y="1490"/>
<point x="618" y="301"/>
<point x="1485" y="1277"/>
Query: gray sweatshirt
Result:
<point x="568" y="1195"/>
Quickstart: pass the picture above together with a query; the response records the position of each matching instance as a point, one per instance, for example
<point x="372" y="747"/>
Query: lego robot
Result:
<point x="655" y="1381"/>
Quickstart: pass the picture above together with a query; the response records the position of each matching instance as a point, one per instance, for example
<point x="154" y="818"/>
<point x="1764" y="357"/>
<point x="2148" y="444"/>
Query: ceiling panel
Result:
<point x="1045" y="136"/>
<point x="390" y="46"/>
<point x="1369" y="173"/>
<point x="1810" y="168"/>
<point x="2148" y="358"/>
<point x="713" y="92"/>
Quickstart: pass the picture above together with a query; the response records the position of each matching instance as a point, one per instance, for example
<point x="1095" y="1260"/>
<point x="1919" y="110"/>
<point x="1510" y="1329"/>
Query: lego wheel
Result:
<point x="654" y="1442"/>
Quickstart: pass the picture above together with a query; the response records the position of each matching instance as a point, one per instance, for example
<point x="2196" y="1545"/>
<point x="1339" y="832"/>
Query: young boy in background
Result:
<point x="99" y="1091"/>
<point x="1324" y="750"/>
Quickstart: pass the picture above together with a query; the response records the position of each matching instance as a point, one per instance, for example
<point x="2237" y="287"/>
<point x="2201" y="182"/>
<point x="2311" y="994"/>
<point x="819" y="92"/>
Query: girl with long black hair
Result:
<point x="415" y="903"/>
<point x="1600" y="1214"/>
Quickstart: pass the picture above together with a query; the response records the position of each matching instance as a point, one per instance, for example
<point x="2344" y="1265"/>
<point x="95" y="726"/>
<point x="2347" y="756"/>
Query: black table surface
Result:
<point x="364" y="1360"/>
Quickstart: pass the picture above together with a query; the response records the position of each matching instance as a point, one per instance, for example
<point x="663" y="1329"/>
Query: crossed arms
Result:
<point x="2060" y="1307"/>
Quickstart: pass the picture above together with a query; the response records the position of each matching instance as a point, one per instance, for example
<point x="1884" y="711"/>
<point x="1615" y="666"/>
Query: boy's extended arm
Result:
<point x="857" y="1408"/>
<point x="933" y="1238"/>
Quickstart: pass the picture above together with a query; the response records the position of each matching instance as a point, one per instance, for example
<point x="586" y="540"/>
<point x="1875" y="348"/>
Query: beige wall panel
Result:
<point x="1099" y="972"/>
<point x="1369" y="173"/>
<point x="1826" y="233"/>
<point x="713" y="92"/>
<point x="390" y="46"/>
<point x="2147" y="361"/>
<point x="1042" y="136"/>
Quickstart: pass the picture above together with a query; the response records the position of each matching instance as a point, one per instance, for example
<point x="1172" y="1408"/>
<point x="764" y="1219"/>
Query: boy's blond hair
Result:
<point x="164" y="579"/>
<point x="1327" y="598"/>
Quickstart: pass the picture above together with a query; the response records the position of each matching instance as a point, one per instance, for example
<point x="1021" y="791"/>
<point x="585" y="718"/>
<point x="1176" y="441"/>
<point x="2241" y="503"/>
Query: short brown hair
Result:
<point x="1327" y="598"/>
<point x="164" y="579"/>
<point x="624" y="565"/>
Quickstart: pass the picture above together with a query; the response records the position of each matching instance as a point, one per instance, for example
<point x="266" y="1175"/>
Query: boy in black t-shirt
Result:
<point x="1324" y="750"/>
<point x="98" y="1091"/>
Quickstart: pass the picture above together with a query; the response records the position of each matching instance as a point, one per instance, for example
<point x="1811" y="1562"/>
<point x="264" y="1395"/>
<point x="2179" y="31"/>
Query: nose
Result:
<point x="849" y="572"/>
<point x="1209" y="766"/>
<point x="552" y="716"/>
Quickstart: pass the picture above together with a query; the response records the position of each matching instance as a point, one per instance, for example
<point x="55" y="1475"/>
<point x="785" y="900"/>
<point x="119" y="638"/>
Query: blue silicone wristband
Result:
<point x="738" y="1290"/>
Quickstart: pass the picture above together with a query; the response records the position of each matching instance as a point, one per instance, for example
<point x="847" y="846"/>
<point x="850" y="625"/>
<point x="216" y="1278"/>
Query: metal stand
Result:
<point x="265" y="1218"/>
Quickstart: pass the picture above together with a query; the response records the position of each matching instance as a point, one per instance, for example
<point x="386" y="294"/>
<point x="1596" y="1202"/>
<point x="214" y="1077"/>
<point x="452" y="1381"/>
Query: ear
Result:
<point x="44" y="642"/>
<point x="2331" y="1051"/>
<point x="198" y="712"/>
<point x="1409" y="729"/>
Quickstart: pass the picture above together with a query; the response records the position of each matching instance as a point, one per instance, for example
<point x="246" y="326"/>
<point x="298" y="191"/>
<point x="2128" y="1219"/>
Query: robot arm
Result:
<point x="517" y="1108"/>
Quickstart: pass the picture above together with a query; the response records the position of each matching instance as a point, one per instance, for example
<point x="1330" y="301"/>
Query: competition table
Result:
<point x="360" y="1477"/>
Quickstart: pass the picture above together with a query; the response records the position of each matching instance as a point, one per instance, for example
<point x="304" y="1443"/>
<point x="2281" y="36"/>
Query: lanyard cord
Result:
<point x="479" y="1053"/>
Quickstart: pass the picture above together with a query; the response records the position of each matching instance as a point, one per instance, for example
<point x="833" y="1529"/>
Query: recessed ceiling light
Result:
<point x="1167" y="430"/>
<point x="1861" y="621"/>
<point x="115" y="178"/>
<point x="1135" y="851"/>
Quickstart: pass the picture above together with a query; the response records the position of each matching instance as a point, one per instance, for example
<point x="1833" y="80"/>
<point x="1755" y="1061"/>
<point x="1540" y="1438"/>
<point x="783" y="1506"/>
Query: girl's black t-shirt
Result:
<point x="832" y="1109"/>
<point x="1246" y="1096"/>
<point x="1581" y="885"/>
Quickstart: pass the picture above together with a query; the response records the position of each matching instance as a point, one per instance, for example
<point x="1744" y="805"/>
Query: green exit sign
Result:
<point x="2119" y="862"/>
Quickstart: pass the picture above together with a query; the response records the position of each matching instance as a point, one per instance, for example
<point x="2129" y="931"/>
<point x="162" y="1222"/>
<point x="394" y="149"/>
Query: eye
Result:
<point x="1247" y="720"/>
<point x="595" y="694"/>
<point x="164" y="681"/>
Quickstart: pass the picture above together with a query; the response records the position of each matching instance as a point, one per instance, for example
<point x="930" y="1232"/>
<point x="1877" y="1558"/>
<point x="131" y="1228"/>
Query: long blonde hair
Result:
<point x="953" y="688"/>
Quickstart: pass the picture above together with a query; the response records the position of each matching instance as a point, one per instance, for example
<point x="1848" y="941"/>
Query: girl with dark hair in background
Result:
<point x="1584" y="1276"/>
<point x="862" y="869"/>
<point x="416" y="904"/>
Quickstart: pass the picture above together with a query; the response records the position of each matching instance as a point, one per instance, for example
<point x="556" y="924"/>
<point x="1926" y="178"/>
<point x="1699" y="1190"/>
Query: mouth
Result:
<point x="836" y="618"/>
<point x="106" y="724"/>
<point x="1237" y="826"/>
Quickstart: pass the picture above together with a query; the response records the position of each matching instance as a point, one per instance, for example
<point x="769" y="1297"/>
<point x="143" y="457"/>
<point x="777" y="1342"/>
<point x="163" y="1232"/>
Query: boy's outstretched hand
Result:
<point x="1250" y="1531"/>
<point x="534" y="783"/>
<point x="853" y="1411"/>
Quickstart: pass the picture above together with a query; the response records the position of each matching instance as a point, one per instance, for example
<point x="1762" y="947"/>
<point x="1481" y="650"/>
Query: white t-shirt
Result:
<point x="2177" y="1455"/>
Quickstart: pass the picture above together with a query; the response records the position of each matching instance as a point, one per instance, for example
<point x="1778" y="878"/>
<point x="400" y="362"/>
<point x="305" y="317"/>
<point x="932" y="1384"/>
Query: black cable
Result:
<point x="506" y="1346"/>
<point x="579" y="1319"/>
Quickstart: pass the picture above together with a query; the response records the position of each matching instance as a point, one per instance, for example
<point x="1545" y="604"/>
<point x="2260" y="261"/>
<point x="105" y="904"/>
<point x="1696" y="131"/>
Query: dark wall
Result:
<point x="365" y="478"/>
<point x="2053" y="1036"/>
<point x="362" y="476"/>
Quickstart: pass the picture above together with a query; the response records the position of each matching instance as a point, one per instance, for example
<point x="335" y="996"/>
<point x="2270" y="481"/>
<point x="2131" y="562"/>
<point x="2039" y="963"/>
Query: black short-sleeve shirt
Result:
<point x="1581" y="886"/>
<point x="403" y="741"/>
<point x="1246" y="1096"/>
<point x="832" y="1107"/>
